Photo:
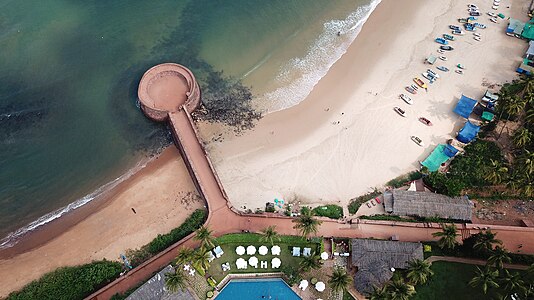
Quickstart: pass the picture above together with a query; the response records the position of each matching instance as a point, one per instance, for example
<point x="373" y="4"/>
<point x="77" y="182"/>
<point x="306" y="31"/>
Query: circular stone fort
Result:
<point x="165" y="88"/>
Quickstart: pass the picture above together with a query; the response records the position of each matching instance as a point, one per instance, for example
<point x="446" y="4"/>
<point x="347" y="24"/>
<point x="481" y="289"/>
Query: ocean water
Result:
<point x="69" y="124"/>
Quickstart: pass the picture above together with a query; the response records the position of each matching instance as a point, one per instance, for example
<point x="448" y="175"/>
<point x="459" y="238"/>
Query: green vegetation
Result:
<point x="270" y="235"/>
<point x="163" y="241"/>
<point x="290" y="265"/>
<point x="404" y="179"/>
<point x="306" y="224"/>
<point x="467" y="170"/>
<point x="340" y="280"/>
<point x="331" y="211"/>
<point x="355" y="203"/>
<point x="447" y="237"/>
<point x="450" y="281"/>
<point x="483" y="164"/>
<point x="70" y="282"/>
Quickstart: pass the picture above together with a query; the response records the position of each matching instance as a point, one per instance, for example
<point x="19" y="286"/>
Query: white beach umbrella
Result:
<point x="240" y="250"/>
<point x="324" y="256"/>
<point x="251" y="250"/>
<point x="240" y="263"/>
<point x="320" y="286"/>
<point x="263" y="250"/>
<point x="276" y="262"/>
<point x="303" y="284"/>
<point x="253" y="261"/>
<point x="275" y="250"/>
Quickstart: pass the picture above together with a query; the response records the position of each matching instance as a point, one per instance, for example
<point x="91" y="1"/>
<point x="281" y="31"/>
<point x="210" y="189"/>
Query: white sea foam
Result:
<point x="298" y="77"/>
<point x="12" y="238"/>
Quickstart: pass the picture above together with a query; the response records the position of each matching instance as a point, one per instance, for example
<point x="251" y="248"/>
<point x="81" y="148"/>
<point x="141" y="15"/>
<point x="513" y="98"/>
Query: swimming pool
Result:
<point x="272" y="288"/>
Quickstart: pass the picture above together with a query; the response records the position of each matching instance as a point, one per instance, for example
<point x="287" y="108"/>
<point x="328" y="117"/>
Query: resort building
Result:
<point x="376" y="261"/>
<point x="154" y="288"/>
<point x="427" y="205"/>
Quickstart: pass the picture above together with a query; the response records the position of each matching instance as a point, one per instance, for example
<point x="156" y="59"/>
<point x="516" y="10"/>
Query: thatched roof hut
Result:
<point x="375" y="258"/>
<point x="426" y="204"/>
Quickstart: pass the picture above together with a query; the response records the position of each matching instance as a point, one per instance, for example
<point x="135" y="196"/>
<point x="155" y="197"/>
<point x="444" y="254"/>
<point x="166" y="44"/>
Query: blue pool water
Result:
<point x="273" y="288"/>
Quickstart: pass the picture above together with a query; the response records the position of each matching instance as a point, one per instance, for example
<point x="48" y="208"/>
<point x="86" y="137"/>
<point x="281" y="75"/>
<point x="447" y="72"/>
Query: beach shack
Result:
<point x="465" y="106"/>
<point x="515" y="28"/>
<point x="428" y="205"/>
<point x="468" y="133"/>
<point x="440" y="155"/>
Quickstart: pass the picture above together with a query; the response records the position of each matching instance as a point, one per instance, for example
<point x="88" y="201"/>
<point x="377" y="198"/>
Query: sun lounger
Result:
<point x="306" y="252"/>
<point x="263" y="264"/>
<point x="212" y="257"/>
<point x="296" y="251"/>
<point x="218" y="251"/>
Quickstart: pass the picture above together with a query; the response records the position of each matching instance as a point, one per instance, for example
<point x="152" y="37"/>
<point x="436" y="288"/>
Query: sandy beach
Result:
<point x="162" y="195"/>
<point x="337" y="144"/>
<point x="345" y="138"/>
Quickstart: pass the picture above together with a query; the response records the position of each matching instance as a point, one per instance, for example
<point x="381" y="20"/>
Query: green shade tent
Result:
<point x="528" y="30"/>
<point x="487" y="116"/>
<point x="436" y="158"/>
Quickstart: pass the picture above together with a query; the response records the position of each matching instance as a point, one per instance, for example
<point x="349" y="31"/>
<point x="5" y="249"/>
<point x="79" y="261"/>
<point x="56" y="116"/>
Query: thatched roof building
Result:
<point x="375" y="258"/>
<point x="426" y="204"/>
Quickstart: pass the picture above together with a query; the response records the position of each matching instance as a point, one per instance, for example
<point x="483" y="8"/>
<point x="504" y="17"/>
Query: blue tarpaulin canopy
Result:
<point x="450" y="151"/>
<point x="465" y="106"/>
<point x="468" y="132"/>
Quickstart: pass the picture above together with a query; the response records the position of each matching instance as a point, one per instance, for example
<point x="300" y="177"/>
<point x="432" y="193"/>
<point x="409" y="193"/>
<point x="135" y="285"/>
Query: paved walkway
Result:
<point x="224" y="219"/>
<point x="471" y="261"/>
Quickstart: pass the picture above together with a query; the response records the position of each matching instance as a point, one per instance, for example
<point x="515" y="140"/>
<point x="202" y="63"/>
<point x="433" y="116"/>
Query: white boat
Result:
<point x="495" y="7"/>
<point x="400" y="111"/>
<point x="494" y="20"/>
<point x="443" y="58"/>
<point x="459" y="71"/>
<point x="430" y="71"/>
<point x="417" y="140"/>
<point x="476" y="34"/>
<point x="476" y="38"/>
<point x="406" y="98"/>
<point x="492" y="14"/>
<point x="441" y="51"/>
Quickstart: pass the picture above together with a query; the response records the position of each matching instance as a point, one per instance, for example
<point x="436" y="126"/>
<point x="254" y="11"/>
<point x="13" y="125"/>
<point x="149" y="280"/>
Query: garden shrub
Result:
<point x="355" y="203"/>
<point x="209" y="294"/>
<point x="331" y="211"/>
<point x="75" y="282"/>
<point x="211" y="281"/>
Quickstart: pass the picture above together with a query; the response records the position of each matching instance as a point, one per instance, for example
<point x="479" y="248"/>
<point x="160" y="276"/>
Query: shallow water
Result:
<point x="69" y="123"/>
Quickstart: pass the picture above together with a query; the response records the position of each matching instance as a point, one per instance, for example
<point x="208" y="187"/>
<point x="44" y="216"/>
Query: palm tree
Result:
<point x="512" y="282"/>
<point x="269" y="234"/>
<point x="175" y="281"/>
<point x="399" y="290"/>
<point x="522" y="137"/>
<point x="310" y="262"/>
<point x="499" y="257"/>
<point x="204" y="235"/>
<point x="515" y="105"/>
<point x="529" y="116"/>
<point x="447" y="236"/>
<point x="201" y="259"/>
<point x="496" y="172"/>
<point x="184" y="256"/>
<point x="306" y="224"/>
<point x="379" y="293"/>
<point x="486" y="278"/>
<point x="419" y="271"/>
<point x="527" y="161"/>
<point x="339" y="280"/>
<point x="485" y="240"/>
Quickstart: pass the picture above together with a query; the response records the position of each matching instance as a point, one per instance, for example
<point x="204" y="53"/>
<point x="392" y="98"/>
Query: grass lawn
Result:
<point x="229" y="242"/>
<point x="450" y="281"/>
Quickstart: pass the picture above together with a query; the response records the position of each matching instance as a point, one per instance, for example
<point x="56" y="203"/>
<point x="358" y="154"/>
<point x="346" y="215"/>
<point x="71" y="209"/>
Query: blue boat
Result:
<point x="441" y="41"/>
<point x="442" y="68"/>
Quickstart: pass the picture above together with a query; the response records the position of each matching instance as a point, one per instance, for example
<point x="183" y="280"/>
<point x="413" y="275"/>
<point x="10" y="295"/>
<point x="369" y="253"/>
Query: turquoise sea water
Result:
<point x="257" y="289"/>
<point x="69" y="70"/>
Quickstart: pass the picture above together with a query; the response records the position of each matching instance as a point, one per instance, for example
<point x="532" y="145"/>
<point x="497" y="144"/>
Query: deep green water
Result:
<point x="69" y="72"/>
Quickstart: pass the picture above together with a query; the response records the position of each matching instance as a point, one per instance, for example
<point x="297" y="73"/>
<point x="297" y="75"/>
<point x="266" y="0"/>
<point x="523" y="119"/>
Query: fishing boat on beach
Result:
<point x="420" y="83"/>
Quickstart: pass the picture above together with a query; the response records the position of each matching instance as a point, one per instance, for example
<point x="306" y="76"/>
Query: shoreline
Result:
<point x="284" y="143"/>
<point x="163" y="196"/>
<point x="316" y="151"/>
